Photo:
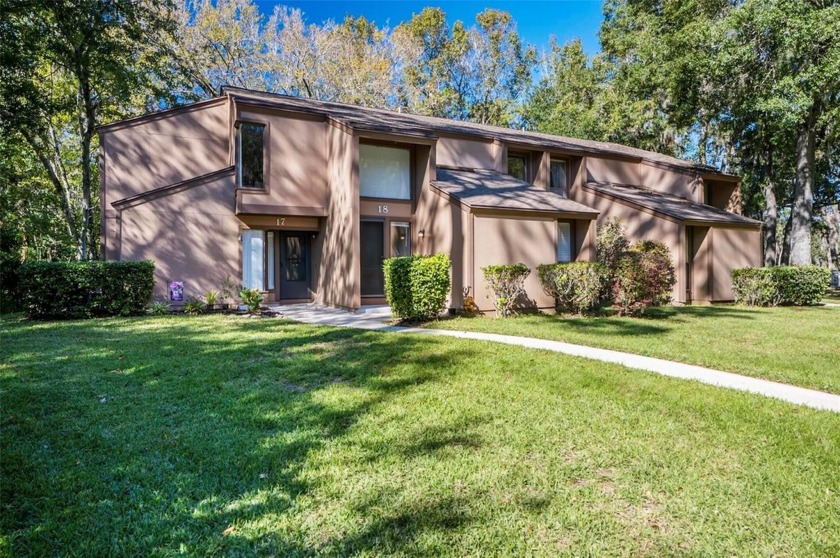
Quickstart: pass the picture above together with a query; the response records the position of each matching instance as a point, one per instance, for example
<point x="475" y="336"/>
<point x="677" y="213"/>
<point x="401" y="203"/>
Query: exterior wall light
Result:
<point x="422" y="234"/>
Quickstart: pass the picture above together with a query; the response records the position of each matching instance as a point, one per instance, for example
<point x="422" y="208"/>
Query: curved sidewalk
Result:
<point x="319" y="315"/>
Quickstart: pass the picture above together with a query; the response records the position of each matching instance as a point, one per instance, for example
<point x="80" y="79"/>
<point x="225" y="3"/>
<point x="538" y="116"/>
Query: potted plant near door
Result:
<point x="227" y="294"/>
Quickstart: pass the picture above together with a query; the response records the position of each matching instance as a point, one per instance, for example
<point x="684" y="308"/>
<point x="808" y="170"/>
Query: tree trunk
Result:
<point x="803" y="194"/>
<point x="786" y="243"/>
<point x="771" y="214"/>
<point x="832" y="218"/>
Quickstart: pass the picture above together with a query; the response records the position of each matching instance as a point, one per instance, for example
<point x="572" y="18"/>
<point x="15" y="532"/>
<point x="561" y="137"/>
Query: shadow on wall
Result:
<point x="228" y="432"/>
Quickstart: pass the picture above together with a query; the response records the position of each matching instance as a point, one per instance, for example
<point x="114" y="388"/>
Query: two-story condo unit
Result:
<point x="304" y="199"/>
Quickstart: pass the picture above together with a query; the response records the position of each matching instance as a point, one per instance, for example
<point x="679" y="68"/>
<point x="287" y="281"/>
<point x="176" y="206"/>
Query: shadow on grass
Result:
<point x="164" y="434"/>
<point x="654" y="321"/>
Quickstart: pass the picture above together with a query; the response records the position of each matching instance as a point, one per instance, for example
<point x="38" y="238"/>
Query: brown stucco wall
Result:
<point x="509" y="240"/>
<point x="457" y="152"/>
<point x="599" y="169"/>
<point x="192" y="236"/>
<point x="732" y="248"/>
<point x="148" y="154"/>
<point x="683" y="184"/>
<point x="701" y="263"/>
<point x="339" y="273"/>
<point x="296" y="162"/>
<point x="725" y="195"/>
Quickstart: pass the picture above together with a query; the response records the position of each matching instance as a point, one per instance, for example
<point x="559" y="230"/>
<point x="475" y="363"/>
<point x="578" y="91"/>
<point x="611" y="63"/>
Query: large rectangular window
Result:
<point x="518" y="166"/>
<point x="249" y="155"/>
<point x="384" y="172"/>
<point x="400" y="239"/>
<point x="558" y="177"/>
<point x="564" y="242"/>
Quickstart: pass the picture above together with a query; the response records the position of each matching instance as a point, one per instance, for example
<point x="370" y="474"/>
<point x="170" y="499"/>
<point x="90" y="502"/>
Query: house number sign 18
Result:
<point x="383" y="209"/>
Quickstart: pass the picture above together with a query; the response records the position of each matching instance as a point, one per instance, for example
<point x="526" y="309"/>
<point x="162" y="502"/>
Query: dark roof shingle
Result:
<point x="388" y="121"/>
<point x="670" y="205"/>
<point x="489" y="189"/>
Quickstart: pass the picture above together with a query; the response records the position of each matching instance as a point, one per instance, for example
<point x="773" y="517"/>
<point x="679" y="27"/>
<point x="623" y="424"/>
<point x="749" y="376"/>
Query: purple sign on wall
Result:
<point x="176" y="291"/>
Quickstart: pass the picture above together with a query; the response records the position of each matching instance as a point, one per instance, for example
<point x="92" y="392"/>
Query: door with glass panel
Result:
<point x="372" y="236"/>
<point x="294" y="265"/>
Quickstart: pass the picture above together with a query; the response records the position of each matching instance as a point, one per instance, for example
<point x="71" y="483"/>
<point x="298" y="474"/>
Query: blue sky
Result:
<point x="537" y="20"/>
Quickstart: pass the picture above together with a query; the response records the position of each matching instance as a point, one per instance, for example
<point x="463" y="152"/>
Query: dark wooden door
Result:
<point x="373" y="254"/>
<point x="295" y="275"/>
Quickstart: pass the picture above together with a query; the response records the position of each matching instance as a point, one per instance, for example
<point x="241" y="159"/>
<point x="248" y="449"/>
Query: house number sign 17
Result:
<point x="281" y="221"/>
<point x="383" y="209"/>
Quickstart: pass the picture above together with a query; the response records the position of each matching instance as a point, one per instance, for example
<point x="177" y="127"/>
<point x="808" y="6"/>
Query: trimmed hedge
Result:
<point x="69" y="290"/>
<point x="575" y="286"/>
<point x="783" y="285"/>
<point x="417" y="286"/>
<point x="507" y="285"/>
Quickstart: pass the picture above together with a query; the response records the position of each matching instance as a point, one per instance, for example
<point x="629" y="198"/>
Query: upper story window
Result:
<point x="384" y="172"/>
<point x="518" y="166"/>
<point x="558" y="177"/>
<point x="249" y="155"/>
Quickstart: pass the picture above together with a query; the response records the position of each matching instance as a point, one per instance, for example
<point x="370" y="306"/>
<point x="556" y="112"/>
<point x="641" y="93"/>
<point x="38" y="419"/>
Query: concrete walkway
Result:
<point x="377" y="318"/>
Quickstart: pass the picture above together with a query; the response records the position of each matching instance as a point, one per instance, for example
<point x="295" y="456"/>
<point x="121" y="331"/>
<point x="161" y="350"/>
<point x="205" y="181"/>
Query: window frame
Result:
<point x="572" y="254"/>
<point x="526" y="159"/>
<point x="392" y="224"/>
<point x="566" y="165"/>
<point x="237" y="154"/>
<point x="411" y="170"/>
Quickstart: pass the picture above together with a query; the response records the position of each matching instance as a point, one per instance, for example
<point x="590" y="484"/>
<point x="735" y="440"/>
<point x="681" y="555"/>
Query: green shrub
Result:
<point x="193" y="306"/>
<point x="506" y="283"/>
<point x="158" y="308"/>
<point x="611" y="245"/>
<point x="252" y="298"/>
<point x="782" y="285"/>
<point x="754" y="286"/>
<point x="645" y="277"/>
<point x="210" y="298"/>
<point x="67" y="290"/>
<point x="574" y="286"/>
<point x="417" y="286"/>
<point x="801" y="285"/>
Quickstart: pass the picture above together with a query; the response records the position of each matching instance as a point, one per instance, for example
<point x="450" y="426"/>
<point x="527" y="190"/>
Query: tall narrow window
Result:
<point x="249" y="155"/>
<point x="558" y="177"/>
<point x="564" y="242"/>
<point x="253" y="260"/>
<point x="400" y="239"/>
<point x="518" y="166"/>
<point x="384" y="172"/>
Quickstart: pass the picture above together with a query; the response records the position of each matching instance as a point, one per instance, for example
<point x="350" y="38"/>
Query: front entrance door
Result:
<point x="294" y="265"/>
<point x="373" y="254"/>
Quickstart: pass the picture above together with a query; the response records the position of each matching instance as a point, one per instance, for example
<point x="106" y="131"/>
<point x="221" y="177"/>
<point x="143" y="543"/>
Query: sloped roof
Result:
<point x="489" y="189"/>
<point x="670" y="205"/>
<point x="388" y="121"/>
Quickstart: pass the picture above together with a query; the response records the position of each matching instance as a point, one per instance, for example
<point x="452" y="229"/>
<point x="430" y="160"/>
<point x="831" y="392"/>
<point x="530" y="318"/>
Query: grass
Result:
<point x="799" y="346"/>
<point x="220" y="435"/>
<point x="832" y="296"/>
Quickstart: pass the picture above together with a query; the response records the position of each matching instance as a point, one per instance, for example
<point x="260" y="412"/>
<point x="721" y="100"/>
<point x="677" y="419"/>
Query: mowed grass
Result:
<point x="228" y="436"/>
<point x="799" y="346"/>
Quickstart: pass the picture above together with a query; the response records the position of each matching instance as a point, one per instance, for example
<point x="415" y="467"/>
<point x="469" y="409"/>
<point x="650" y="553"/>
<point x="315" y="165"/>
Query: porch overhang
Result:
<point x="488" y="191"/>
<point x="670" y="206"/>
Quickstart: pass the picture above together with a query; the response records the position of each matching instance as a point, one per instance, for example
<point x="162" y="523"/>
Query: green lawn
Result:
<point x="224" y="435"/>
<point x="798" y="346"/>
